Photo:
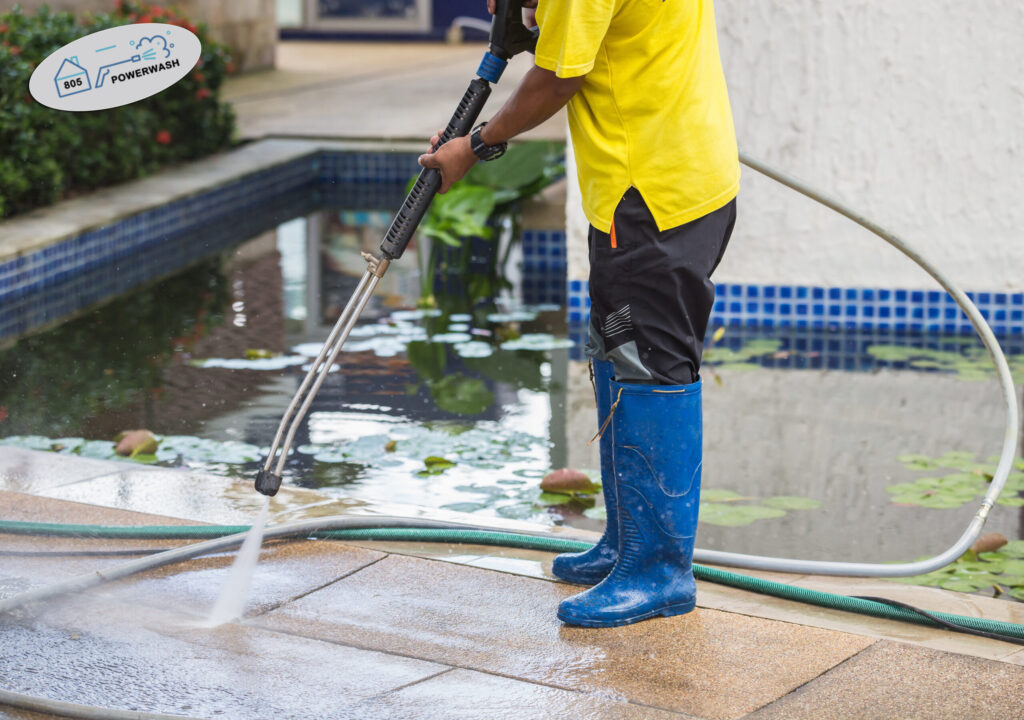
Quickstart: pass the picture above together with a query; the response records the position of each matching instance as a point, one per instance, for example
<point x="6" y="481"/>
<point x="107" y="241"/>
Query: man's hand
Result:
<point x="454" y="159"/>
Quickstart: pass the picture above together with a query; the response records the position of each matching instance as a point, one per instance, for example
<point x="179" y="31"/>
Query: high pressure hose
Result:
<point x="1006" y="457"/>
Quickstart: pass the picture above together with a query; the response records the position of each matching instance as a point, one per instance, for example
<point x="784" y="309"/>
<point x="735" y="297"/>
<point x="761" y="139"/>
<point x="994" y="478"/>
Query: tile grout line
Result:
<point x="813" y="679"/>
<point x="456" y="666"/>
<point x="282" y="603"/>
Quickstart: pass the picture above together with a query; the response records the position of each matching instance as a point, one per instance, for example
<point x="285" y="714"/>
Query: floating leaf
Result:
<point x="465" y="507"/>
<point x="438" y="463"/>
<point x="1014" y="549"/>
<point x="734" y="515"/>
<point x="596" y="513"/>
<point x="791" y="502"/>
<point x="548" y="499"/>
<point x="961" y="584"/>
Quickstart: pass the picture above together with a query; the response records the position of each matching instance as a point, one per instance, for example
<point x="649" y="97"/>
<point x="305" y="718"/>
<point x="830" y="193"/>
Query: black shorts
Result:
<point x="651" y="292"/>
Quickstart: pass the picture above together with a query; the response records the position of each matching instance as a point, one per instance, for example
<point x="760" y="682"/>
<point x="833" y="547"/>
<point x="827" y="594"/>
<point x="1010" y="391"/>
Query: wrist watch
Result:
<point x="481" y="149"/>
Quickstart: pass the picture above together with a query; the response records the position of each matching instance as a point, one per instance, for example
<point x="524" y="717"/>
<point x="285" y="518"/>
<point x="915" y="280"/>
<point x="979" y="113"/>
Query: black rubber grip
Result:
<point x="409" y="216"/>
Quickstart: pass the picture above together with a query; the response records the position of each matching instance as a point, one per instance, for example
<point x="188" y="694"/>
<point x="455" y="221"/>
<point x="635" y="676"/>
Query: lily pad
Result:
<point x="791" y="502"/>
<point x="734" y="515"/>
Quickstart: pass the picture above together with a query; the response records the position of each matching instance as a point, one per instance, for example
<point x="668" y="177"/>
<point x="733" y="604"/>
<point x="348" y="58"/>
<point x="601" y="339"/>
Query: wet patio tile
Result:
<point x="891" y="680"/>
<point x="134" y="657"/>
<point x="1016" y="659"/>
<point x="461" y="694"/>
<point x="33" y="471"/>
<point x="734" y="600"/>
<point x="707" y="663"/>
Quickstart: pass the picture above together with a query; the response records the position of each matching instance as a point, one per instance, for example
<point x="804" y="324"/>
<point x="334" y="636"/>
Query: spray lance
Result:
<point x="508" y="37"/>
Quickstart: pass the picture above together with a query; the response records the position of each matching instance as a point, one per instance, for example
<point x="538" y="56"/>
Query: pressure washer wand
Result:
<point x="509" y="36"/>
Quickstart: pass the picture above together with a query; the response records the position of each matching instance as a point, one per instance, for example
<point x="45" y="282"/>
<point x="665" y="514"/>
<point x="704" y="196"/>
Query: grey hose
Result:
<point x="74" y="710"/>
<point x="824" y="567"/>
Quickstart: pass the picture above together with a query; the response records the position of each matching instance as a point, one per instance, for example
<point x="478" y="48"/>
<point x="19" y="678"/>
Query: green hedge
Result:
<point x="47" y="154"/>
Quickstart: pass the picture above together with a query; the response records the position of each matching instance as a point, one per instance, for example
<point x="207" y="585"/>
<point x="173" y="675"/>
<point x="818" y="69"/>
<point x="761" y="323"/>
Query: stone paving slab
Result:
<point x="889" y="680"/>
<point x="464" y="694"/>
<point x="708" y="663"/>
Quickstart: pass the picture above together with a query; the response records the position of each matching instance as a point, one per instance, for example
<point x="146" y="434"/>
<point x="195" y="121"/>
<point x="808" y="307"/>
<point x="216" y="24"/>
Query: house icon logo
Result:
<point x="71" y="77"/>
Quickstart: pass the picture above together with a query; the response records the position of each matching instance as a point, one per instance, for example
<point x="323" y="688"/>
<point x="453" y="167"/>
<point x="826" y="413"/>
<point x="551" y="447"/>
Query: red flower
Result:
<point x="119" y="4"/>
<point x="191" y="28"/>
<point x="157" y="11"/>
<point x="203" y="93"/>
<point x="3" y="413"/>
<point x="146" y="18"/>
<point x="198" y="77"/>
<point x="15" y="50"/>
<point x="163" y="137"/>
<point x="3" y="28"/>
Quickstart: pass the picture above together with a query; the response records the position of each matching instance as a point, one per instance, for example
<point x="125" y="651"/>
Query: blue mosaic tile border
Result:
<point x="836" y="349"/>
<point x="544" y="267"/>
<point x="39" y="287"/>
<point x="929" y="311"/>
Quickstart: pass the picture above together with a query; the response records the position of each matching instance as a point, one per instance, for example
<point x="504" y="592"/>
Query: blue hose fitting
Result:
<point x="491" y="67"/>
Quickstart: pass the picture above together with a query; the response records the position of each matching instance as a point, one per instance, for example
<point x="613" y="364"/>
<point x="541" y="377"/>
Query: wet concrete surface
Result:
<point x="370" y="630"/>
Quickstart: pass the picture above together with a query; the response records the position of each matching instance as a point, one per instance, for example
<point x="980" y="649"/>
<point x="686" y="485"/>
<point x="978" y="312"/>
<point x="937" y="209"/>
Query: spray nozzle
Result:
<point x="267" y="482"/>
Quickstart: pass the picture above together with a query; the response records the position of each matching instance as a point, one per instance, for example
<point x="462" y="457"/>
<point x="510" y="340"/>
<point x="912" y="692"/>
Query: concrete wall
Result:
<point x="248" y="27"/>
<point x="911" y="111"/>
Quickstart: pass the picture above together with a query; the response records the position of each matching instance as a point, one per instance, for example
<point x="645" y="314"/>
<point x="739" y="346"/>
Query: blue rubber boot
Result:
<point x="657" y="458"/>
<point x="593" y="565"/>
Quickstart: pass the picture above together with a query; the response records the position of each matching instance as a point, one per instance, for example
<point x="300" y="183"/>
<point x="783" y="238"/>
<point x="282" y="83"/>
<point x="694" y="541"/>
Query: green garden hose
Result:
<point x="221" y="537"/>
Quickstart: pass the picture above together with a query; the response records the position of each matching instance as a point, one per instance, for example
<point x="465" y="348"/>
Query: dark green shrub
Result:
<point x="48" y="154"/>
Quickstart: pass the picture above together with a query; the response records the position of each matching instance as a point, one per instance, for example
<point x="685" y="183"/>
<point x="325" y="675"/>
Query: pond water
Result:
<point x="818" y="445"/>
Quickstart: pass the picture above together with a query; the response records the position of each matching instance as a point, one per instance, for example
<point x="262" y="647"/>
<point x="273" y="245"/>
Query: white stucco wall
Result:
<point x="910" y="111"/>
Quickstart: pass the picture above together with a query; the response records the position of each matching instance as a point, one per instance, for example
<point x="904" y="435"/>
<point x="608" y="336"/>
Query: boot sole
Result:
<point x="670" y="610"/>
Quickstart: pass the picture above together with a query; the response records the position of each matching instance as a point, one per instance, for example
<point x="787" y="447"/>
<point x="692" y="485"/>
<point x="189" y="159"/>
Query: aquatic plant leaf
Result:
<point x="427" y="358"/>
<point x="1014" y="549"/>
<point x="461" y="395"/>
<point x="438" y="463"/>
<point x="917" y="462"/>
<point x="518" y="511"/>
<point x="1013" y="567"/>
<point x="596" y="513"/>
<point x="1010" y="501"/>
<point x="891" y="353"/>
<point x="537" y="341"/>
<point x="960" y="584"/>
<point x="27" y="442"/>
<point x="546" y="499"/>
<point x="734" y="515"/>
<point x="465" y="507"/>
<point x="791" y="502"/>
<point x="1017" y="593"/>
<point x="473" y="349"/>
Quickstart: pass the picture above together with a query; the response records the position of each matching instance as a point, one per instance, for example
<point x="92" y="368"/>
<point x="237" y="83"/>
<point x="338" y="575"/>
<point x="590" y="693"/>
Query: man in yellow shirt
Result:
<point x="658" y="167"/>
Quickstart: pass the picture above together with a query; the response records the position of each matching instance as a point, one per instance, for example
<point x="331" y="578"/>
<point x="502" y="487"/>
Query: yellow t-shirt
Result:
<point x="653" y="111"/>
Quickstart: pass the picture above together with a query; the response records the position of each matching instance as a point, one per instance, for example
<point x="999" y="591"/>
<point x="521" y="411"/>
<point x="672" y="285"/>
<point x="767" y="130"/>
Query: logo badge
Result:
<point x="115" y="67"/>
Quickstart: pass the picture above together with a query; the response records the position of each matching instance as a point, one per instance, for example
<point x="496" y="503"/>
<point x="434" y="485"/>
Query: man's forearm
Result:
<point x="540" y="95"/>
